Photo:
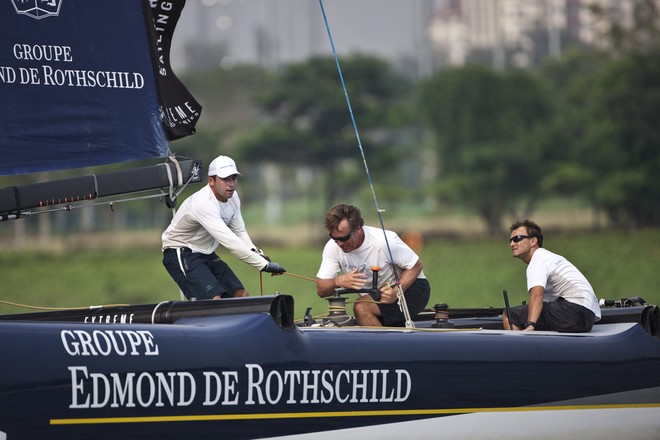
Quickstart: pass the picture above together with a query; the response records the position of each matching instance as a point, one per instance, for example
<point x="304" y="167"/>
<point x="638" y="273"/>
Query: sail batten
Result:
<point x="16" y="200"/>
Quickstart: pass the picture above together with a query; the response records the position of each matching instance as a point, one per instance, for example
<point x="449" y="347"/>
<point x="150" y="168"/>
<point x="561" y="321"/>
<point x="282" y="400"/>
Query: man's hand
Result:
<point x="273" y="268"/>
<point x="388" y="294"/>
<point x="351" y="280"/>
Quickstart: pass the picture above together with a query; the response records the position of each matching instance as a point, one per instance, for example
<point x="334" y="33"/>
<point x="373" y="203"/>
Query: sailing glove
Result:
<point x="274" y="268"/>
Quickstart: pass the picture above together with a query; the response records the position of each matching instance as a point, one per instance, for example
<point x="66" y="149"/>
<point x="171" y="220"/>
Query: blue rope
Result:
<point x="357" y="135"/>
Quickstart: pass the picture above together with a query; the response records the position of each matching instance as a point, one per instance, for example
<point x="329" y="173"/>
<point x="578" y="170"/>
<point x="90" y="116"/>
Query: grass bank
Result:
<point x="463" y="272"/>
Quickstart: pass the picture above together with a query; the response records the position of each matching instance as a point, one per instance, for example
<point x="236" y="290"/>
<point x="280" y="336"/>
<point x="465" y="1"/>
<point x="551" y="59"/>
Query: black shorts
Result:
<point x="559" y="316"/>
<point x="417" y="296"/>
<point x="200" y="276"/>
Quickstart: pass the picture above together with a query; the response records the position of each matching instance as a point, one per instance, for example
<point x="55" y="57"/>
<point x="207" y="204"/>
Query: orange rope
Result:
<point x="299" y="276"/>
<point x="261" y="280"/>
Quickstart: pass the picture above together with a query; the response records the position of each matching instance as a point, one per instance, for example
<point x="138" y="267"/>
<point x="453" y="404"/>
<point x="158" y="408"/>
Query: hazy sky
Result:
<point x="295" y="28"/>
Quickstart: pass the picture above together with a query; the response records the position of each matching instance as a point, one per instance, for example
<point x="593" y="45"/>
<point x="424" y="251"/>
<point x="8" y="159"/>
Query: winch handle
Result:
<point x="374" y="292"/>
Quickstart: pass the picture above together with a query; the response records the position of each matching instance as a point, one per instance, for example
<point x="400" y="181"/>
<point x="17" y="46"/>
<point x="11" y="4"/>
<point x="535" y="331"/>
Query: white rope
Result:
<point x="153" y="314"/>
<point x="179" y="258"/>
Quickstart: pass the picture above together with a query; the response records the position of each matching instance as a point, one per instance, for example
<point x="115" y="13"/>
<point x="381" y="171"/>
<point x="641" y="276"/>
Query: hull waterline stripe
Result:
<point x="307" y="415"/>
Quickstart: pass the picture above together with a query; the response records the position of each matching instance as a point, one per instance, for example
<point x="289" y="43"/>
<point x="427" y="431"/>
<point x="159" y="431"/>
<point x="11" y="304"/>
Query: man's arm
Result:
<point x="207" y="216"/>
<point x="407" y="277"/>
<point x="325" y="287"/>
<point x="535" y="305"/>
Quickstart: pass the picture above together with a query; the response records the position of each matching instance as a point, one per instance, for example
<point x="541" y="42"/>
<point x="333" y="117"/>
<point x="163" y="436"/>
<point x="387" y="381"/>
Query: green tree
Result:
<point x="228" y="108"/>
<point x="308" y="122"/>
<point x="562" y="136"/>
<point x="622" y="144"/>
<point x="484" y="124"/>
<point x="607" y="106"/>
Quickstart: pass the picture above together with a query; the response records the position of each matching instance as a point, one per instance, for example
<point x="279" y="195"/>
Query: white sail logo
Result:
<point x="38" y="9"/>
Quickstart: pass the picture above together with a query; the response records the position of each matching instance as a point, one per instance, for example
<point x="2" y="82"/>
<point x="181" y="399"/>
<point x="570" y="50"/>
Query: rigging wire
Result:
<point x="402" y="300"/>
<point x="174" y="190"/>
<point x="110" y="203"/>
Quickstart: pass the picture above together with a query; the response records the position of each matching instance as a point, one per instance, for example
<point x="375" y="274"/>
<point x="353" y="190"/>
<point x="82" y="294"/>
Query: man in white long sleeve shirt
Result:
<point x="207" y="219"/>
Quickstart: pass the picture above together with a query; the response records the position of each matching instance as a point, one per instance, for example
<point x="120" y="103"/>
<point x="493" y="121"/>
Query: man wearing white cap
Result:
<point x="205" y="220"/>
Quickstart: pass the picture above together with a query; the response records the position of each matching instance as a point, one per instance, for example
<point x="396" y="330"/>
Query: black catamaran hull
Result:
<point x="241" y="369"/>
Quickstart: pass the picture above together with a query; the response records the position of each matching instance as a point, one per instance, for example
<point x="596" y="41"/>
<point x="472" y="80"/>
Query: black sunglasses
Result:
<point x="518" y="238"/>
<point x="342" y="239"/>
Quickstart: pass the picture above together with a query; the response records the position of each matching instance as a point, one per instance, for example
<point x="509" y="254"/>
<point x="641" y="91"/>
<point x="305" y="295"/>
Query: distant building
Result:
<point x="275" y="32"/>
<point x="519" y="32"/>
<point x="418" y="36"/>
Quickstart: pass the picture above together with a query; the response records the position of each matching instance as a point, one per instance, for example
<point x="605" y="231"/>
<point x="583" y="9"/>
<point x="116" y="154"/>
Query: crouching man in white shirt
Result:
<point x="209" y="218"/>
<point x="560" y="297"/>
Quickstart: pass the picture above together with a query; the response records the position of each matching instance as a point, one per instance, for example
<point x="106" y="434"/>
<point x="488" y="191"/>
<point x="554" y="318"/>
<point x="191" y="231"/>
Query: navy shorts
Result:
<point x="200" y="276"/>
<point x="417" y="296"/>
<point x="559" y="316"/>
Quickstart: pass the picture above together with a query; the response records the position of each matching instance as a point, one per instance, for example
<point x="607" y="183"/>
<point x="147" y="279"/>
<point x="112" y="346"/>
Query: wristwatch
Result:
<point x="528" y="323"/>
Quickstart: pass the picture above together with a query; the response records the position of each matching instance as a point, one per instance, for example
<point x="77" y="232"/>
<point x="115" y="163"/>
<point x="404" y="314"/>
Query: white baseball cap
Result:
<point x="223" y="166"/>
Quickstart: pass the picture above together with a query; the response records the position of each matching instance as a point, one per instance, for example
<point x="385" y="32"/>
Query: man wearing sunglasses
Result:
<point x="349" y="255"/>
<point x="560" y="297"/>
<point x="209" y="218"/>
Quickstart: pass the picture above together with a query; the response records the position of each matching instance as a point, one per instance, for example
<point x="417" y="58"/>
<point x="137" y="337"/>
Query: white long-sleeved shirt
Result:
<point x="203" y="222"/>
